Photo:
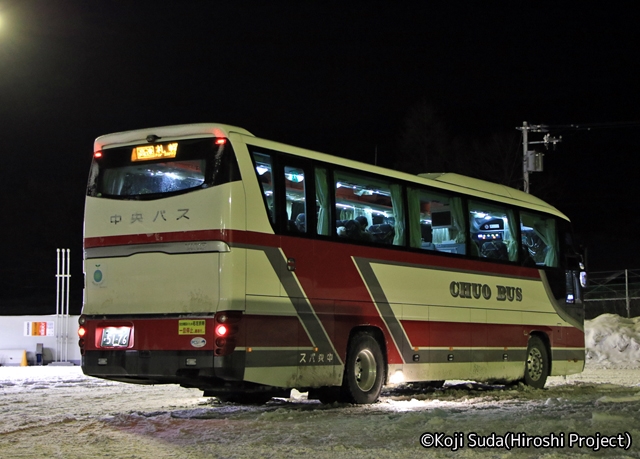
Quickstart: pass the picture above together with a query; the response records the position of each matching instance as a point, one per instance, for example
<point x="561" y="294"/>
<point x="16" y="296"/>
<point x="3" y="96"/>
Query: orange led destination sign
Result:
<point x="158" y="151"/>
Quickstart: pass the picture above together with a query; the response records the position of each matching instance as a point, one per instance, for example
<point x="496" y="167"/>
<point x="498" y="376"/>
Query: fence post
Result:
<point x="626" y="292"/>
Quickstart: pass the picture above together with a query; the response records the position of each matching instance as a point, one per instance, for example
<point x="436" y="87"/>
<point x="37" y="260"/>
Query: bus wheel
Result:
<point x="536" y="367"/>
<point x="364" y="370"/>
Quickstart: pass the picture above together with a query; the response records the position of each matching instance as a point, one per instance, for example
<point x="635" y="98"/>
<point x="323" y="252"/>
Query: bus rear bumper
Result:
<point x="188" y="368"/>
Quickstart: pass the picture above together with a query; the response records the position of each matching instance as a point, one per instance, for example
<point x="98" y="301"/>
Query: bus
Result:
<point x="245" y="268"/>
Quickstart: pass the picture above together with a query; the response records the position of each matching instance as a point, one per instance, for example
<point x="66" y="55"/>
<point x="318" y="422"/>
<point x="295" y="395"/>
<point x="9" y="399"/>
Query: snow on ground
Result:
<point x="57" y="412"/>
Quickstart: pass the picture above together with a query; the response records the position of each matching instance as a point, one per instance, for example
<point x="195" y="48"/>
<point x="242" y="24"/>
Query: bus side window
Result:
<point x="493" y="231"/>
<point x="539" y="240"/>
<point x="264" y="168"/>
<point x="369" y="209"/>
<point x="436" y="221"/>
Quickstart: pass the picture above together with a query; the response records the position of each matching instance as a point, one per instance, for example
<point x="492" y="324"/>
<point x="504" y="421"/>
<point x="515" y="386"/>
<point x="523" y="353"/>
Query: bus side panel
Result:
<point x="473" y="318"/>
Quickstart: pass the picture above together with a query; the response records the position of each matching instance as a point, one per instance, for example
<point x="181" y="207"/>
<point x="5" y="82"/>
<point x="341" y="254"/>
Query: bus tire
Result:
<point x="536" y="368"/>
<point x="364" y="370"/>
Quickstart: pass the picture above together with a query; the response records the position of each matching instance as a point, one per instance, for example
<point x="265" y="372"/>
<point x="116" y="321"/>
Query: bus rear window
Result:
<point x="122" y="173"/>
<point x="164" y="177"/>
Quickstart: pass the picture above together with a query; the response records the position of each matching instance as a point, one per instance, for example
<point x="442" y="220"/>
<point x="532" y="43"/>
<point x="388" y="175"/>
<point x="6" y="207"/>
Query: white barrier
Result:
<point x="13" y="357"/>
<point x="28" y="332"/>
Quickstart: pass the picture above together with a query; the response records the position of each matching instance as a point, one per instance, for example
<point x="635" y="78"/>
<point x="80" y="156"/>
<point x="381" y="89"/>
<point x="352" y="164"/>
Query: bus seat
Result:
<point x="383" y="233"/>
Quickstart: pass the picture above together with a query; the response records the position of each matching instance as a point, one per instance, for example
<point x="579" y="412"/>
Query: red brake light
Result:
<point x="81" y="332"/>
<point x="220" y="141"/>
<point x="221" y="330"/>
<point x="97" y="154"/>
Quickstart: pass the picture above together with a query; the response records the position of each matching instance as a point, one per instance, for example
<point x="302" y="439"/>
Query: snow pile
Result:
<point x="612" y="341"/>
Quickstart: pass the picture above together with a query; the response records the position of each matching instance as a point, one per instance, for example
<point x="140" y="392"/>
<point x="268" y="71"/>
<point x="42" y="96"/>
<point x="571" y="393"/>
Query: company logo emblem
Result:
<point x="99" y="276"/>
<point x="198" y="341"/>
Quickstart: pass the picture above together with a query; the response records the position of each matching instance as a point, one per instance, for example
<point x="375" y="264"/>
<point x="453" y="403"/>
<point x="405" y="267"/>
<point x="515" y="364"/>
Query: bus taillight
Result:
<point x="221" y="330"/>
<point x="226" y="329"/>
<point x="81" y="333"/>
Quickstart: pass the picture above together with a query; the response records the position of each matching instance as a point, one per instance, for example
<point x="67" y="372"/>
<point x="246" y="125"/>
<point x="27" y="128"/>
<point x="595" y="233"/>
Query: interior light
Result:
<point x="261" y="170"/>
<point x="295" y="178"/>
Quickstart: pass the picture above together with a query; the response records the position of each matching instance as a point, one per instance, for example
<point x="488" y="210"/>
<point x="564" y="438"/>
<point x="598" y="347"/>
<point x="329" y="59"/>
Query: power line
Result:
<point x="593" y="126"/>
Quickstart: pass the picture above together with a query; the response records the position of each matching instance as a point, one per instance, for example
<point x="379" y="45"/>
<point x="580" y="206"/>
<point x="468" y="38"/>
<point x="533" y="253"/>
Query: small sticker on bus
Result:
<point x="198" y="341"/>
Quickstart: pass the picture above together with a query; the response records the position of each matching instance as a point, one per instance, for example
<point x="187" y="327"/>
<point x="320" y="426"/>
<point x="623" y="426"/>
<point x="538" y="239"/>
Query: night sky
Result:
<point x="337" y="77"/>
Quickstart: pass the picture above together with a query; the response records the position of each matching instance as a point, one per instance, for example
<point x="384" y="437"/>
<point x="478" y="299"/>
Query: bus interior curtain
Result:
<point x="398" y="213"/>
<point x="413" y="200"/>
<point x="322" y="195"/>
<point x="551" y="258"/>
<point x="458" y="219"/>
<point x="511" y="236"/>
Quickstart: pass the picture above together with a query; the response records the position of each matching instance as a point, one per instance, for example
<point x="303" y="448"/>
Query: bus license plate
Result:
<point x="115" y="337"/>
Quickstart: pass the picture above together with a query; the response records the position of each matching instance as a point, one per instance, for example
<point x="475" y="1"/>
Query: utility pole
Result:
<point x="531" y="159"/>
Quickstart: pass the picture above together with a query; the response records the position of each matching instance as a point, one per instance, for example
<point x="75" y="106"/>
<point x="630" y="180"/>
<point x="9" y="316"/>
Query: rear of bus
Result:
<point x="161" y="296"/>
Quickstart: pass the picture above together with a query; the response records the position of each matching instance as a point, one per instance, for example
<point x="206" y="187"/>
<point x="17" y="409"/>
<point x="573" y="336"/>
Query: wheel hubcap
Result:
<point x="365" y="370"/>
<point x="534" y="364"/>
